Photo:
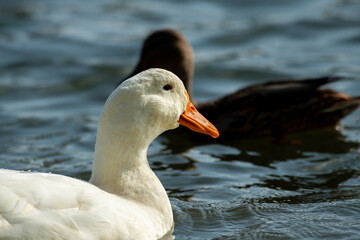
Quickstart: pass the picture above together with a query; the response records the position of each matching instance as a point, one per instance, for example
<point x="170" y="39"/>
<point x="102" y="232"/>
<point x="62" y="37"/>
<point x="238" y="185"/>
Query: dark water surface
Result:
<point x="59" y="60"/>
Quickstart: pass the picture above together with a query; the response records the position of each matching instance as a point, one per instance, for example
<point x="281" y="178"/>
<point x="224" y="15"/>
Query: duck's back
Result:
<point x="279" y="107"/>
<point x="60" y="207"/>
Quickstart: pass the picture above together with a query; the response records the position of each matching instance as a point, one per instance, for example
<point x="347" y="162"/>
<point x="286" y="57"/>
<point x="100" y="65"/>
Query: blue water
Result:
<point x="59" y="60"/>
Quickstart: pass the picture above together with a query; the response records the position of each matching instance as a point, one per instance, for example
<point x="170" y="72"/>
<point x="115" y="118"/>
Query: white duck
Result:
<point x="124" y="199"/>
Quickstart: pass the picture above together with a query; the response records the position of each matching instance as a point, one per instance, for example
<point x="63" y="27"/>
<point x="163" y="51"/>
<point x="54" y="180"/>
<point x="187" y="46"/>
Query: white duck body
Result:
<point x="50" y="206"/>
<point x="124" y="199"/>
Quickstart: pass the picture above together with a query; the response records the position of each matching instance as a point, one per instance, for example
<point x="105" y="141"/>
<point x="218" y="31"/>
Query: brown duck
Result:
<point x="274" y="108"/>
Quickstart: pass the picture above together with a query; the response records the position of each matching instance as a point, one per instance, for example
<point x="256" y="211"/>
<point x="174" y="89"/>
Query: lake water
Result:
<point x="59" y="60"/>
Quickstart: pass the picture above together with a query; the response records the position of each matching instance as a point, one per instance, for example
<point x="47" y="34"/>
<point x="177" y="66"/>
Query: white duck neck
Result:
<point x="121" y="167"/>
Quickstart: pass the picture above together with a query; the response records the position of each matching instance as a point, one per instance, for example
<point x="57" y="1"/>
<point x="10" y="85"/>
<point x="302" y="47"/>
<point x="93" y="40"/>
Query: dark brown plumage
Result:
<point x="273" y="108"/>
<point x="168" y="49"/>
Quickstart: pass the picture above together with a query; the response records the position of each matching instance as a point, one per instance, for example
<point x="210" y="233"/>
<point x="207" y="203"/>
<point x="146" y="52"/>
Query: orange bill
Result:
<point x="192" y="119"/>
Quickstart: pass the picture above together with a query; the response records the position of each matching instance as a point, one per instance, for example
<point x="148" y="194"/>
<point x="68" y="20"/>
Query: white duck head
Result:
<point x="156" y="99"/>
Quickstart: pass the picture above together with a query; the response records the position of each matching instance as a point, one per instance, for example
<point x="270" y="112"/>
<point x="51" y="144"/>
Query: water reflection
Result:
<point x="264" y="151"/>
<point x="312" y="167"/>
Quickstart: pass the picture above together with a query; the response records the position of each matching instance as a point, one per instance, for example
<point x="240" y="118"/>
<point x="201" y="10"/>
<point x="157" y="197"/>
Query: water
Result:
<point x="61" y="59"/>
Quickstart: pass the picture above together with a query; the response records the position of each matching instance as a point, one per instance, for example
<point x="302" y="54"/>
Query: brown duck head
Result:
<point x="167" y="49"/>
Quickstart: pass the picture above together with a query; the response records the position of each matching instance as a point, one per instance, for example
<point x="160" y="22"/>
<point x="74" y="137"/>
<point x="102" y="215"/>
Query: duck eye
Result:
<point x="168" y="87"/>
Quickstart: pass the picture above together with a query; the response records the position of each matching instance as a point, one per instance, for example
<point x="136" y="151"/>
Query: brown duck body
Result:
<point x="274" y="108"/>
<point x="279" y="107"/>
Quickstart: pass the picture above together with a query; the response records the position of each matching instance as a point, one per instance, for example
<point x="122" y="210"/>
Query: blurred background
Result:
<point x="59" y="60"/>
